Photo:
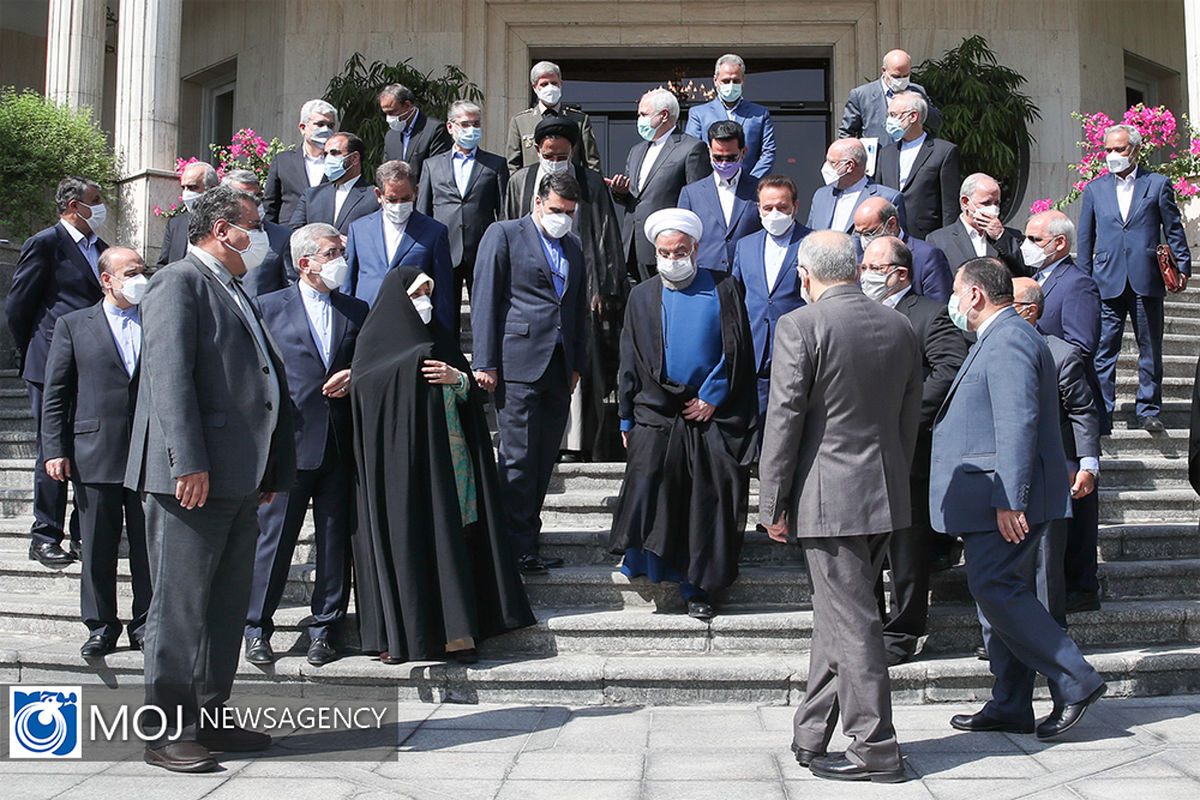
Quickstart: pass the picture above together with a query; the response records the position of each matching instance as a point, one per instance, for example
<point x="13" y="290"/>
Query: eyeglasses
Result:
<point x="333" y="252"/>
<point x="883" y="267"/>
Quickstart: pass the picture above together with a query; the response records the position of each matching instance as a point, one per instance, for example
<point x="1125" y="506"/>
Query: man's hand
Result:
<point x="574" y="381"/>
<point x="1183" y="279"/>
<point x="597" y="304"/>
<point x="1083" y="483"/>
<point x="1012" y="525"/>
<point x="486" y="378"/>
<point x="618" y="183"/>
<point x="625" y="439"/>
<point x="264" y="498"/>
<point x="58" y="468"/>
<point x="337" y="385"/>
<point x="696" y="410"/>
<point x="779" y="531"/>
<point x="192" y="490"/>
<point x="992" y="227"/>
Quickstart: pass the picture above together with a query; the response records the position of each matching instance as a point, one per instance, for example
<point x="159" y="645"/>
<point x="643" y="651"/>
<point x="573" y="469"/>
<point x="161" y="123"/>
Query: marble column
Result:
<point x="1191" y="21"/>
<point x="75" y="53"/>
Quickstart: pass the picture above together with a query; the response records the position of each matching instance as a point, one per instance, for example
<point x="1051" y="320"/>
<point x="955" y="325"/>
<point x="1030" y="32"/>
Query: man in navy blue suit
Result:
<point x="397" y="234"/>
<point x="999" y="480"/>
<point x="315" y="327"/>
<point x="930" y="276"/>
<point x="529" y="317"/>
<point x="846" y="187"/>
<point x="765" y="266"/>
<point x="729" y="78"/>
<point x="57" y="272"/>
<point x="725" y="201"/>
<point x="1123" y="216"/>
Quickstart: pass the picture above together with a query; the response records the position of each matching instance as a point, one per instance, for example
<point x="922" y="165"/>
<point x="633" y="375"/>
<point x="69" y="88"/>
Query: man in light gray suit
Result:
<point x="212" y="439"/>
<point x="838" y="443"/>
<point x="867" y="106"/>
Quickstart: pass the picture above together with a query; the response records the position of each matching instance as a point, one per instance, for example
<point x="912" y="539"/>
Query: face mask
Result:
<point x="957" y="317"/>
<point x="424" y="307"/>
<point x="554" y="167"/>
<point x="333" y="273"/>
<point x="99" y="214"/>
<point x="829" y="174"/>
<point x="1033" y="255"/>
<point x="729" y="92"/>
<point x="989" y="211"/>
<point x="727" y="169"/>
<point x="1117" y="162"/>
<point x="556" y="225"/>
<point x="397" y="123"/>
<point x="189" y="198"/>
<point x="894" y="128"/>
<point x="550" y="94"/>
<point x="262" y="212"/>
<point x="320" y="136"/>
<point x="805" y="295"/>
<point x="676" y="270"/>
<point x="897" y="84"/>
<point x="134" y="288"/>
<point x="646" y="129"/>
<point x="875" y="284"/>
<point x="866" y="238"/>
<point x="777" y="223"/>
<point x="468" y="138"/>
<point x="398" y="213"/>
<point x="335" y="167"/>
<point x="256" y="251"/>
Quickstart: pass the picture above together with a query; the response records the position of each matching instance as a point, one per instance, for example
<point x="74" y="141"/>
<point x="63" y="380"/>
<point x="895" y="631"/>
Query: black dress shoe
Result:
<point x="552" y="563"/>
<point x="75" y="550"/>
<point x="570" y="457"/>
<point x="948" y="559"/>
<point x="49" y="554"/>
<point x="1062" y="720"/>
<point x="234" y="739"/>
<point x="982" y="654"/>
<point x="468" y="656"/>
<point x="1151" y="424"/>
<point x="896" y="657"/>
<point x="320" y="652"/>
<point x="97" y="645"/>
<point x="181" y="757"/>
<point x="840" y="768"/>
<point x="258" y="651"/>
<point x="980" y="722"/>
<point x="804" y="757"/>
<point x="387" y="658"/>
<point x="699" y="609"/>
<point x="137" y="641"/>
<point x="1082" y="601"/>
<point x="532" y="565"/>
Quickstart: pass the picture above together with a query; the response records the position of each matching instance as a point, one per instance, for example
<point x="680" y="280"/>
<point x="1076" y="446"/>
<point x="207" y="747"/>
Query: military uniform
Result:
<point x="521" y="150"/>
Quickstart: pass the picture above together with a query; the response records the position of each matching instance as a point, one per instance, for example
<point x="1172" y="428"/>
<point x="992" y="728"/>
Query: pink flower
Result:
<point x="1185" y="189"/>
<point x="1194" y="149"/>
<point x="158" y="211"/>
<point x="1041" y="205"/>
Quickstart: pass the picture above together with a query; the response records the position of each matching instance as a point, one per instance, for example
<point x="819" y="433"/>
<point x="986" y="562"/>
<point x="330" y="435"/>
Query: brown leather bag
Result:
<point x="1172" y="277"/>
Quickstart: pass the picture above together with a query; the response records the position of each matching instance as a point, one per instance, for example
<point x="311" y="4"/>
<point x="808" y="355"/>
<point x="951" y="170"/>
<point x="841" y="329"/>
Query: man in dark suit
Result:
<point x="926" y="170"/>
<point x="999" y="479"/>
<point x="1125" y="214"/>
<point x="866" y="109"/>
<point x="529" y="321"/>
<point x="655" y="171"/>
<point x="764" y="265"/>
<point x="930" y="274"/>
<point x="886" y="278"/>
<point x="91" y="388"/>
<point x="846" y="187"/>
<point x="315" y="327"/>
<point x="345" y="196"/>
<point x="521" y="151"/>
<point x="412" y="136"/>
<point x="276" y="270"/>
<point x="729" y="76"/>
<point x="845" y="403"/>
<point x="294" y="172"/>
<point x="57" y="272"/>
<point x="396" y="234"/>
<point x="463" y="189"/>
<point x="725" y="201"/>
<point x="212" y="440"/>
<point x="1072" y="300"/>
<point x="196" y="178"/>
<point x="978" y="230"/>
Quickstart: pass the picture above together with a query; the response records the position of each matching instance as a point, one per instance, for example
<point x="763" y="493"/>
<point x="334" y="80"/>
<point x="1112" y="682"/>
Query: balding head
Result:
<point x="1028" y="299"/>
<point x="1053" y="232"/>
<point x="874" y="217"/>
<point x="897" y="64"/>
<point x="117" y="265"/>
<point x="849" y="158"/>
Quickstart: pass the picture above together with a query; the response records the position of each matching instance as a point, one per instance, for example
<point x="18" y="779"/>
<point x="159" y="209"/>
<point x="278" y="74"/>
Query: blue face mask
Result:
<point x="468" y="138"/>
<point x="957" y="317"/>
<point x="894" y="129"/>
<point x="646" y="129"/>
<point x="335" y="167"/>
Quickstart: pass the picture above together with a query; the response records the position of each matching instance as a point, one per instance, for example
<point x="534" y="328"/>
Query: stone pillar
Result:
<point x="146" y="129"/>
<point x="75" y="53"/>
<point x="1191" y="17"/>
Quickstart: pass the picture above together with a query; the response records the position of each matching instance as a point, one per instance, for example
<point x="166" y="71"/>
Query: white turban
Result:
<point x="673" y="219"/>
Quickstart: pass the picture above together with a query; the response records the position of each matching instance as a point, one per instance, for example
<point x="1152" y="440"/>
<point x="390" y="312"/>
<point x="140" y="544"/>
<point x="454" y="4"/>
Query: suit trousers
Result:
<point x="908" y="553"/>
<point x="464" y="275"/>
<point x="49" y="495"/>
<point x="531" y="418"/>
<point x="1146" y="316"/>
<point x="330" y="487"/>
<point x="847" y="670"/>
<point x="1083" y="535"/>
<point x="201" y="563"/>
<point x="1024" y="638"/>
<point x="102" y="507"/>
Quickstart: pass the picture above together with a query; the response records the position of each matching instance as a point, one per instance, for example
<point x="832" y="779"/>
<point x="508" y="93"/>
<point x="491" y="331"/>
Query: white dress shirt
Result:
<point x="773" y="254"/>
<point x="87" y="246"/>
<point x="315" y="167"/>
<point x="893" y="300"/>
<point x="392" y="234"/>
<point x="978" y="240"/>
<point x="908" y="156"/>
<point x="844" y="203"/>
<point x="463" y="163"/>
<point x="652" y="153"/>
<point x="341" y="193"/>
<point x="319" y="311"/>
<point x="126" y="327"/>
<point x="726" y="193"/>
<point x="1125" y="192"/>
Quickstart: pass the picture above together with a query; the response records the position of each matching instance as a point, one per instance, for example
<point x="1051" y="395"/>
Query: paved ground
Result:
<point x="1137" y="748"/>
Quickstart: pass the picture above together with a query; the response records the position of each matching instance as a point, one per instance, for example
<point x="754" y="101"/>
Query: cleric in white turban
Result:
<point x="688" y="401"/>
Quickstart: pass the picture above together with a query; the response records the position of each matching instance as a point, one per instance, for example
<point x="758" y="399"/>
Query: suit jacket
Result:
<point x="429" y="138"/>
<point x="719" y="241"/>
<point x="52" y="278"/>
<point x="287" y="181"/>
<point x="755" y="121"/>
<point x="277" y="269"/>
<point x="1079" y="405"/>
<point x="317" y="205"/>
<point x="766" y="304"/>
<point x="866" y="112"/>
<point x="931" y="274"/>
<point x="1118" y="252"/>
<point x="683" y="160"/>
<point x="316" y="415"/>
<point x="996" y="440"/>
<point x="1072" y="309"/>
<point x="203" y="400"/>
<point x="517" y="317"/>
<point x="465" y="216"/>
<point x="954" y="242"/>
<point x="820" y="213"/>
<point x="90" y="427"/>
<point x="943" y="349"/>
<point x="521" y="150"/>
<point x="931" y="191"/>
<point x="841" y="426"/>
<point x="175" y="239"/>
<point x="425" y="245"/>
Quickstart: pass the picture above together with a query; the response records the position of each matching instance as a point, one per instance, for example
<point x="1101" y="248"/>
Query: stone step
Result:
<point x="1182" y="344"/>
<point x="1174" y="366"/>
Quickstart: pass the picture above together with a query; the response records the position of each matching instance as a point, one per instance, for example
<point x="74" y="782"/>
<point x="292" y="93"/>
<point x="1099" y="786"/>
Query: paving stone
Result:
<point x="411" y="766"/>
<point x="968" y="764"/>
<point x="713" y="790"/>
<point x="554" y="765"/>
<point x="698" y="766"/>
<point x="465" y="741"/>
<point x="574" y="790"/>
<point x="1103" y="788"/>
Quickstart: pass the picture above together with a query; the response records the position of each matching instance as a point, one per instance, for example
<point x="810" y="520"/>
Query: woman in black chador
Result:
<point x="434" y="574"/>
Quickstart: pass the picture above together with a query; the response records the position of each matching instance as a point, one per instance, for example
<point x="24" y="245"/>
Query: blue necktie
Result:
<point x="560" y="279"/>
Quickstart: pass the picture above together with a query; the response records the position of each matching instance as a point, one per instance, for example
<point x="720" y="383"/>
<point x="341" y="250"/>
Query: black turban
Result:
<point x="556" y="126"/>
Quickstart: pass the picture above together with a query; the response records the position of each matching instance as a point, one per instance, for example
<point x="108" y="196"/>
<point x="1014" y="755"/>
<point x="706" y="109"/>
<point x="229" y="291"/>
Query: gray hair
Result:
<point x="72" y="188"/>
<point x="730" y="58"/>
<point x="913" y="101"/>
<point x="318" y="106"/>
<point x="219" y="202"/>
<point x="967" y="189"/>
<point x="210" y="173"/>
<point x="393" y="171"/>
<point x="830" y="257"/>
<point x="242" y="176"/>
<point x="459" y="107"/>
<point x="854" y="150"/>
<point x="1062" y="226"/>
<point x="544" y="68"/>
<point x="304" y="242"/>
<point x="662" y="99"/>
<point x="398" y="92"/>
<point x="1135" y="136"/>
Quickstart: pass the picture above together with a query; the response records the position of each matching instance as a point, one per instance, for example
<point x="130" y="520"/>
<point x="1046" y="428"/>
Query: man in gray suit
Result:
<point x="867" y="107"/>
<point x="845" y="379"/>
<point x="212" y="439"/>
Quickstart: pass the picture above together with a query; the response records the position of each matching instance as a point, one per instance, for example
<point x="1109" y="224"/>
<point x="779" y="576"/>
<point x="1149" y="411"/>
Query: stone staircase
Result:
<point x="602" y="638"/>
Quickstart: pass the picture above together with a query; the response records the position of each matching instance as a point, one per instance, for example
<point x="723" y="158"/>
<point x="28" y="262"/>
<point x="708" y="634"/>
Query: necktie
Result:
<point x="560" y="276"/>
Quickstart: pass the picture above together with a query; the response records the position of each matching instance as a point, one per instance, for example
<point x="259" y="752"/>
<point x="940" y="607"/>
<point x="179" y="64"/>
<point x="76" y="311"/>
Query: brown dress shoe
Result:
<point x="233" y="739"/>
<point x="181" y="757"/>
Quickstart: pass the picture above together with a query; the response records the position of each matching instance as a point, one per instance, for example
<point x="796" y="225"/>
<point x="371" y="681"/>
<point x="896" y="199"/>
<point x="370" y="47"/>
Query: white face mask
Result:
<point x="555" y="225"/>
<point x="398" y="213"/>
<point x="875" y="284"/>
<point x="134" y="288"/>
<point x="1033" y="255"/>
<point x="320" y="135"/>
<point x="189" y="198"/>
<point x="829" y="174"/>
<point x="255" y="252"/>
<point x="988" y="211"/>
<point x="424" y="307"/>
<point x="333" y="272"/>
<point x="1117" y="162"/>
<point x="777" y="223"/>
<point x="554" y="167"/>
<point x="897" y="84"/>
<point x="397" y="123"/>
<point x="676" y="270"/>
<point x="550" y="94"/>
<point x="99" y="214"/>
<point x="262" y="212"/>
<point x="805" y="295"/>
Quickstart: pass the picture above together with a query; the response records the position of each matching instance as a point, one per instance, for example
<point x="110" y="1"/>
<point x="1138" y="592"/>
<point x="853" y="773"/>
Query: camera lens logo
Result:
<point x="43" y="722"/>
